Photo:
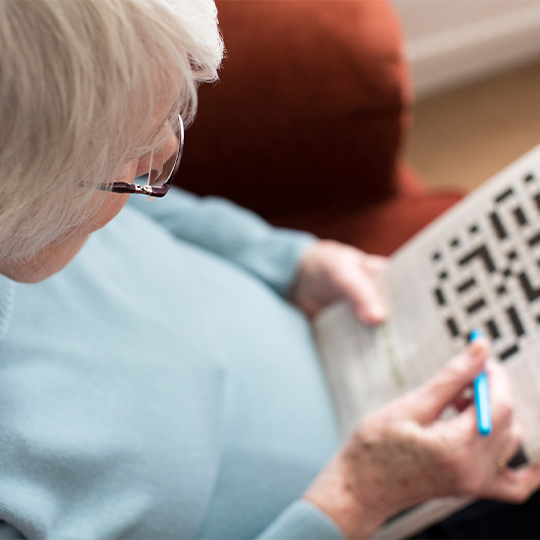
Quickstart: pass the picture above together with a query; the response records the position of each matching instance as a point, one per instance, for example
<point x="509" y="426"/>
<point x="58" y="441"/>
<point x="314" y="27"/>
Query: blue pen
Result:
<point x="481" y="396"/>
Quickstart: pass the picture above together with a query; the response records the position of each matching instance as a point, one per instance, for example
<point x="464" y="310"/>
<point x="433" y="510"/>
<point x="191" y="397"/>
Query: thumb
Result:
<point x="364" y="297"/>
<point x="442" y="389"/>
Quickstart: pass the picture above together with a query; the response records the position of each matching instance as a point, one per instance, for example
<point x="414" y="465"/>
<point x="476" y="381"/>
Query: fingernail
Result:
<point x="475" y="346"/>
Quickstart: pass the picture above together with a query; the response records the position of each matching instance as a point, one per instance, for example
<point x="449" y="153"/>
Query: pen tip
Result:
<point x="476" y="334"/>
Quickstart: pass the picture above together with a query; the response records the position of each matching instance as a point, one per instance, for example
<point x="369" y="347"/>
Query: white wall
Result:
<point x="451" y="42"/>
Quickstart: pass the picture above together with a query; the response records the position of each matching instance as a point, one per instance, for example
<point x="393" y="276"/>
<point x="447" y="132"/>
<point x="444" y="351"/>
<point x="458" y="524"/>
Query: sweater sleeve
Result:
<point x="229" y="231"/>
<point x="7" y="532"/>
<point x="301" y="521"/>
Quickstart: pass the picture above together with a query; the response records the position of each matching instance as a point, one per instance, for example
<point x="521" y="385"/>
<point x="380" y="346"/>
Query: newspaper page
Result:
<point x="476" y="266"/>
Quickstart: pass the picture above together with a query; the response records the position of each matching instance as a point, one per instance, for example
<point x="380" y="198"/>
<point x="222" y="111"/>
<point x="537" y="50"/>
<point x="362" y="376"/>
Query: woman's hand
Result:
<point x="404" y="454"/>
<point x="330" y="271"/>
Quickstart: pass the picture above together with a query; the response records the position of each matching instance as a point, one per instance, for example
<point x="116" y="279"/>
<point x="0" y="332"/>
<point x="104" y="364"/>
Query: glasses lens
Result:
<point x="160" y="170"/>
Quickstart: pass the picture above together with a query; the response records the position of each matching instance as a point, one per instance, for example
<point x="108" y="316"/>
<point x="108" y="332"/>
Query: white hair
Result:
<point x="79" y="83"/>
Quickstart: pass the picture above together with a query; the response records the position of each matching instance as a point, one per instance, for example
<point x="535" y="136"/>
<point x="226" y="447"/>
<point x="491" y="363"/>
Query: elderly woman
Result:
<point x="157" y="375"/>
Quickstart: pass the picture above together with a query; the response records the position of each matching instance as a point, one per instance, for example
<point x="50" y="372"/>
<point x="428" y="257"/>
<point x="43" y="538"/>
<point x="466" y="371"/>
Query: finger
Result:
<point x="516" y="486"/>
<point x="430" y="399"/>
<point x="373" y="264"/>
<point x="500" y="396"/>
<point x="513" y="444"/>
<point x="501" y="444"/>
<point x="365" y="298"/>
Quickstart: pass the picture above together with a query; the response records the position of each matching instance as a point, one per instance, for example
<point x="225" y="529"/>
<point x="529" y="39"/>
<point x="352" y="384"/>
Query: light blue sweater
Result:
<point x="161" y="387"/>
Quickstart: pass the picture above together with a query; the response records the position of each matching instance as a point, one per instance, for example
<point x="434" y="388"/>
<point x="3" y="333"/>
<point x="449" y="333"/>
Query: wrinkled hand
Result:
<point x="331" y="271"/>
<point x="404" y="454"/>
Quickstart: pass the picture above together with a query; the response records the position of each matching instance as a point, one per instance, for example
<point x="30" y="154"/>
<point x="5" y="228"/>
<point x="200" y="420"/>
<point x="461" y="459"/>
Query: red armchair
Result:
<point x="306" y="123"/>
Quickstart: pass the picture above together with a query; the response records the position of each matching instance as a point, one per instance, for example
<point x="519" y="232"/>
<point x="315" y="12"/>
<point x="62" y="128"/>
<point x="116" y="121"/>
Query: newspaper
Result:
<point x="476" y="266"/>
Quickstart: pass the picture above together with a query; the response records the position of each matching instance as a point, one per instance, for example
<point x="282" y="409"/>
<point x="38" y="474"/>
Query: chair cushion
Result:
<point x="382" y="227"/>
<point x="310" y="109"/>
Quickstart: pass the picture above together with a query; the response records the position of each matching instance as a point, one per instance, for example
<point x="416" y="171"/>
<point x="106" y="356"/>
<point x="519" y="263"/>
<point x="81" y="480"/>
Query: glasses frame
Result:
<point x="150" y="191"/>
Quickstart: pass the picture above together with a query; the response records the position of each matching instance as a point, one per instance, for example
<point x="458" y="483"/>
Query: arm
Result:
<point x="7" y="532"/>
<point x="311" y="273"/>
<point x="300" y="521"/>
<point x="234" y="233"/>
<point x="405" y="454"/>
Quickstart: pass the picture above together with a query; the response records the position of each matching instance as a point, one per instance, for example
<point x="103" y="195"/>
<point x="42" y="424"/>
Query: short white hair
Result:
<point x="79" y="83"/>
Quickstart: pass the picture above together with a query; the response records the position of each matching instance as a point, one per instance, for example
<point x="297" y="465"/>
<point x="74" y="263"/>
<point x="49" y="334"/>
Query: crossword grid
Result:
<point x="487" y="275"/>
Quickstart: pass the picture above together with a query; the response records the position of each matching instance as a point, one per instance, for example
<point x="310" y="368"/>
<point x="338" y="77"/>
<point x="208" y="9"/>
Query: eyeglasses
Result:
<point x="157" y="181"/>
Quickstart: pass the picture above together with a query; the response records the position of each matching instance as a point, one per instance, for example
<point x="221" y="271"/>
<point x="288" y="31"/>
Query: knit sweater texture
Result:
<point x="161" y="387"/>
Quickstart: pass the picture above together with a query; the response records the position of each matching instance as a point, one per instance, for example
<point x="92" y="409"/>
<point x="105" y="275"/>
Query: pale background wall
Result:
<point x="452" y="42"/>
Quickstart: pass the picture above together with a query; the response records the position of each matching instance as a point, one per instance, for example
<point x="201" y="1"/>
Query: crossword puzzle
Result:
<point x="486" y="274"/>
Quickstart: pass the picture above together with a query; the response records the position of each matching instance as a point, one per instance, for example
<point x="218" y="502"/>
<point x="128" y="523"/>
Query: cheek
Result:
<point x="109" y="210"/>
<point x="113" y="203"/>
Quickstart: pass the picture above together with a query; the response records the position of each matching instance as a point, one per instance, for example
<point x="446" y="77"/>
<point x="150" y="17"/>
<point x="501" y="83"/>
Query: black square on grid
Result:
<point x="513" y="255"/>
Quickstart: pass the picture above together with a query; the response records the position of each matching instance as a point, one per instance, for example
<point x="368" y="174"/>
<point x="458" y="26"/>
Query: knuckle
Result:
<point x="454" y="370"/>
